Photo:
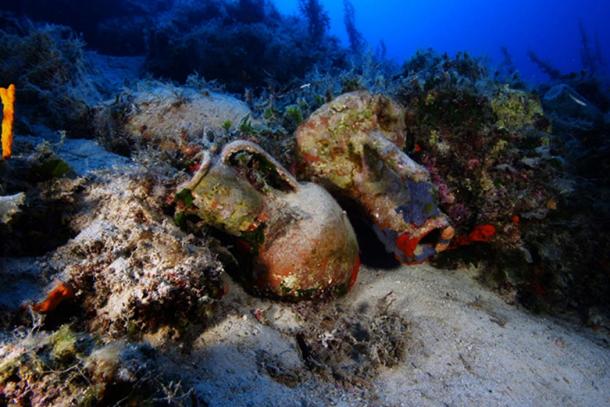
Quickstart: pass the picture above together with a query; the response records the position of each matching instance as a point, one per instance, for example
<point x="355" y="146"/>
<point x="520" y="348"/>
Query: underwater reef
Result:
<point x="504" y="164"/>
<point x="170" y="162"/>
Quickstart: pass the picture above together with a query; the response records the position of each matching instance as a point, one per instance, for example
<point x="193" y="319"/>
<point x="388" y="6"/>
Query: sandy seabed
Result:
<point x="464" y="346"/>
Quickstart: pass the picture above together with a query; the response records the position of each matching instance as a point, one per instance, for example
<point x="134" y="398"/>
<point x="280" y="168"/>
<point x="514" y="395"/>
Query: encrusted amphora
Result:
<point x="299" y="239"/>
<point x="354" y="147"/>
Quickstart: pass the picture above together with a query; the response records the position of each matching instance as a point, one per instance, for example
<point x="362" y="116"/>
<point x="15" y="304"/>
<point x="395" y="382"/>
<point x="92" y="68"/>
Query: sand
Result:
<point x="464" y="346"/>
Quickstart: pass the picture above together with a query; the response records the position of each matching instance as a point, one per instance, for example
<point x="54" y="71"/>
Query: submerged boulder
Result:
<point x="129" y="266"/>
<point x="482" y="142"/>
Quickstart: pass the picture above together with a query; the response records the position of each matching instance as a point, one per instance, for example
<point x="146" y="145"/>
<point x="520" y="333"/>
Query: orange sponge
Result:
<point x="56" y="296"/>
<point x="481" y="233"/>
<point x="8" y="116"/>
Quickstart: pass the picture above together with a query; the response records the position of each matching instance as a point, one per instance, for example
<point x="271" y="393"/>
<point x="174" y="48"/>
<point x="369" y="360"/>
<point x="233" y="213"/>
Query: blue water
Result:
<point x="550" y="28"/>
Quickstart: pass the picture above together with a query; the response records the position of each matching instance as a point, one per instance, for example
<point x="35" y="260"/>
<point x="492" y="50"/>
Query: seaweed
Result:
<point x="110" y="26"/>
<point x="244" y="50"/>
<point x="546" y="67"/>
<point x="248" y="11"/>
<point x="507" y="60"/>
<point x="599" y="57"/>
<point x="381" y="51"/>
<point x="47" y="65"/>
<point x="356" y="40"/>
<point x="317" y="19"/>
<point x="592" y="60"/>
<point x="591" y="54"/>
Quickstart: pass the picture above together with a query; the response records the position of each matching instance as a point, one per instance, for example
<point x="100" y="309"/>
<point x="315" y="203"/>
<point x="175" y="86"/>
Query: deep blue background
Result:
<point x="481" y="27"/>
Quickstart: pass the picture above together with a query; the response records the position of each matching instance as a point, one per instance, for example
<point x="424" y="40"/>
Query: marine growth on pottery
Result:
<point x="353" y="146"/>
<point x="301" y="241"/>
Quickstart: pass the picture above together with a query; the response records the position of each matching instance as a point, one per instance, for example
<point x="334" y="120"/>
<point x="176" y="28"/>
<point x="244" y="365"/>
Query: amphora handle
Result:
<point x="206" y="162"/>
<point x="240" y="146"/>
<point x="396" y="159"/>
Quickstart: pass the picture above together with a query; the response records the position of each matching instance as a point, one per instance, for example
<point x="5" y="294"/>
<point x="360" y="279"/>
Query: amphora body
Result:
<point x="300" y="240"/>
<point x="354" y="147"/>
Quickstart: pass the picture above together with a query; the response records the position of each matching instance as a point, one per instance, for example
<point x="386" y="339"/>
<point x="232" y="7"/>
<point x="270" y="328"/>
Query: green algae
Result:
<point x="226" y="125"/>
<point x="515" y="109"/>
<point x="8" y="368"/>
<point x="64" y="344"/>
<point x="293" y="116"/>
<point x="49" y="168"/>
<point x="186" y="197"/>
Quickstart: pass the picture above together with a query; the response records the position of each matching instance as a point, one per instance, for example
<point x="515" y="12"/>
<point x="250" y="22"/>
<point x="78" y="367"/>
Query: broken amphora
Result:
<point x="354" y="147"/>
<point x="300" y="239"/>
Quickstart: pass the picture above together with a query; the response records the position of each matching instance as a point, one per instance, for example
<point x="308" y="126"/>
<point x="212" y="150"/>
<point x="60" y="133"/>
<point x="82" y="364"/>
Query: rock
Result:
<point x="565" y="100"/>
<point x="130" y="266"/>
<point x="110" y="74"/>
<point x="570" y="112"/>
<point x="81" y="155"/>
<point x="84" y="156"/>
<point x="10" y="206"/>
<point x="353" y="146"/>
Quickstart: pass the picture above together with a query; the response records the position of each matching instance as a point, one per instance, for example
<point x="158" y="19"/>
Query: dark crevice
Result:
<point x="372" y="251"/>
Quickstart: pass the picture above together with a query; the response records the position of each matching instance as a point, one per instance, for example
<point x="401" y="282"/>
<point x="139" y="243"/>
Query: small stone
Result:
<point x="10" y="206"/>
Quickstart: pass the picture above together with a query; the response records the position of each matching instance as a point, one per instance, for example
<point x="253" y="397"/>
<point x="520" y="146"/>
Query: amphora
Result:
<point x="300" y="240"/>
<point x="354" y="147"/>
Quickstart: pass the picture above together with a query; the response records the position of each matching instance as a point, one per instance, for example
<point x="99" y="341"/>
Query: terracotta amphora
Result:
<point x="300" y="240"/>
